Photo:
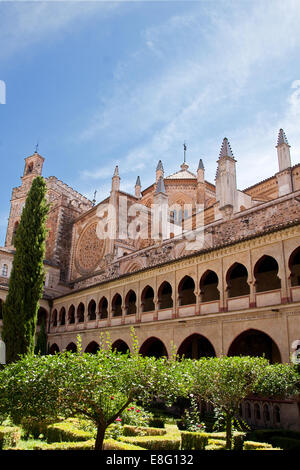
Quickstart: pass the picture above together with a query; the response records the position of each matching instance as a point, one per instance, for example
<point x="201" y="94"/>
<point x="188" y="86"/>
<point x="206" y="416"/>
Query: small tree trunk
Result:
<point x="228" y="431"/>
<point x="100" y="437"/>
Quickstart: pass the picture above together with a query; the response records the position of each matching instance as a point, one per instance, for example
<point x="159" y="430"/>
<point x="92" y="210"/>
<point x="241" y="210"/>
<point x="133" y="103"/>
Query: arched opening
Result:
<point x="130" y="303"/>
<point x="257" y="411"/>
<point x="54" y="349"/>
<point x="62" y="316"/>
<point x="92" y="310"/>
<point x="165" y="296"/>
<point x="41" y="316"/>
<point x="266" y="413"/>
<point x="248" y="410"/>
<point x="147" y="298"/>
<point x="294" y="265"/>
<point x="196" y="346"/>
<point x="276" y="414"/>
<point x="116" y="306"/>
<point x="153" y="347"/>
<point x="80" y="313"/>
<point x="209" y="287"/>
<point x="71" y="347"/>
<point x="237" y="284"/>
<point x="120" y="346"/>
<point x="266" y="274"/>
<point x="92" y="347"/>
<point x="54" y="317"/>
<point x="255" y="343"/>
<point x="29" y="168"/>
<point x="14" y="233"/>
<point x="186" y="291"/>
<point x="103" y="308"/>
<point x="71" y="315"/>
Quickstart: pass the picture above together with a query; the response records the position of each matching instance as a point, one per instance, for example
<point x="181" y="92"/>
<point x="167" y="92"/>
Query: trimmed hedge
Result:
<point x="111" y="444"/>
<point x="167" y="442"/>
<point x="193" y="440"/>
<point x="252" y="445"/>
<point x="142" y="431"/>
<point x="34" y="427"/>
<point x="66" y="432"/>
<point x="237" y="438"/>
<point x="9" y="436"/>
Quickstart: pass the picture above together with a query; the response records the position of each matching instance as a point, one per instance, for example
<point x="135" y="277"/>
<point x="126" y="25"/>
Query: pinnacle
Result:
<point x="138" y="181"/>
<point x="281" y="138"/>
<point x="159" y="166"/>
<point x="226" y="149"/>
<point x="200" y="166"/>
<point x="116" y="172"/>
<point x="160" y="188"/>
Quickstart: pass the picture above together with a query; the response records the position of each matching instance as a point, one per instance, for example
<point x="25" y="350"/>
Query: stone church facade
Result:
<point x="222" y="279"/>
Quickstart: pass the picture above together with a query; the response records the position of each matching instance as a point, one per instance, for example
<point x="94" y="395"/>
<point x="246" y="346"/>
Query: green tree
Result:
<point x="99" y="387"/>
<point x="41" y="342"/>
<point x="27" y="277"/>
<point x="226" y="381"/>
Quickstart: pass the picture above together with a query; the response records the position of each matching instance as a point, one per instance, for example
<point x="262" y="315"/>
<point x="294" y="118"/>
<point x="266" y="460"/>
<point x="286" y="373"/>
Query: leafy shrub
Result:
<point x="135" y="416"/>
<point x="9" y="436"/>
<point x="215" y="447"/>
<point x="110" y="444"/>
<point x="65" y="432"/>
<point x="252" y="445"/>
<point x="114" y="431"/>
<point x="142" y="431"/>
<point x="34" y="427"/>
<point x="86" y="445"/>
<point x="193" y="440"/>
<point x="191" y="418"/>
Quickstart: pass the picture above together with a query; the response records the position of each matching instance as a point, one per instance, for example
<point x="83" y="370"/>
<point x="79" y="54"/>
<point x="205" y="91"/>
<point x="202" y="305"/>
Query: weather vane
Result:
<point x="184" y="151"/>
<point x="37" y="147"/>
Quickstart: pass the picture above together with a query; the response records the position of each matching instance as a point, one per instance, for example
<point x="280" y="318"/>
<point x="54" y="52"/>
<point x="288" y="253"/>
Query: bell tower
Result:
<point x="33" y="168"/>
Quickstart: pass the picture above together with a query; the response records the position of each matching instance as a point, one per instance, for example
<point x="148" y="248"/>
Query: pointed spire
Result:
<point x="226" y="149"/>
<point x="200" y="166"/>
<point x="282" y="138"/>
<point x="160" y="188"/>
<point x="116" y="172"/>
<point x="159" y="166"/>
<point x="138" y="181"/>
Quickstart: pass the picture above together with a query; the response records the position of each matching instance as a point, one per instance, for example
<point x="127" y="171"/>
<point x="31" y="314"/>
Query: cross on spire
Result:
<point x="184" y="151"/>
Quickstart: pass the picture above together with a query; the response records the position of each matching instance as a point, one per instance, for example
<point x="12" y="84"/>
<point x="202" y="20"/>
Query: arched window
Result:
<point x="257" y="411"/>
<point x="294" y="265"/>
<point x="54" y="317"/>
<point x="266" y="413"/>
<point x="42" y="316"/>
<point x="266" y="274"/>
<point x="147" y="298"/>
<point x="103" y="308"/>
<point x="237" y="284"/>
<point x="5" y="270"/>
<point x="186" y="291"/>
<point x="165" y="296"/>
<point x="62" y="316"/>
<point x="80" y="313"/>
<point x="209" y="287"/>
<point x="92" y="310"/>
<point x="116" y="306"/>
<point x="71" y="315"/>
<point x="130" y="303"/>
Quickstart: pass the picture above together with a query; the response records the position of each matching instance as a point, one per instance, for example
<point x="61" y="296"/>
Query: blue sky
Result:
<point x="104" y="83"/>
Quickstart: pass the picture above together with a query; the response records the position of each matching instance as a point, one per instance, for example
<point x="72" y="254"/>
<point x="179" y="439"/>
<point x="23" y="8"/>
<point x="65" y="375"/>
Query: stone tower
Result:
<point x="226" y="189"/>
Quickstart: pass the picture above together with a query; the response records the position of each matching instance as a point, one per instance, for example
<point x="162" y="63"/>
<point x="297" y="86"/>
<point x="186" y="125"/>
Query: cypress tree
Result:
<point x="26" y="282"/>
<point x="41" y="342"/>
